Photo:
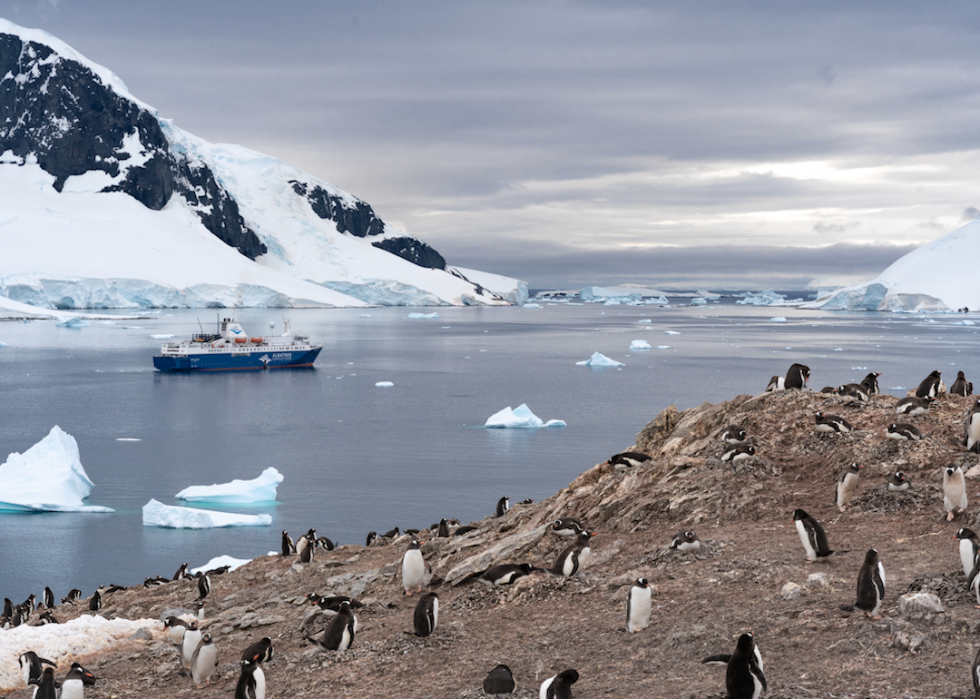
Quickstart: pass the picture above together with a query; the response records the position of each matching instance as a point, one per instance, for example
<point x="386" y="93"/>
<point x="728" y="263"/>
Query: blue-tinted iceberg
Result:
<point x="766" y="297"/>
<point x="261" y="489"/>
<point x="598" y="359"/>
<point x="520" y="418"/>
<point x="48" y="477"/>
<point x="156" y="514"/>
<point x="424" y="316"/>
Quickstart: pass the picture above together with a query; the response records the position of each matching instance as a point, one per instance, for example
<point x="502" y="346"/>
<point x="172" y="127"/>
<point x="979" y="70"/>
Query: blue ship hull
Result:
<point x="238" y="361"/>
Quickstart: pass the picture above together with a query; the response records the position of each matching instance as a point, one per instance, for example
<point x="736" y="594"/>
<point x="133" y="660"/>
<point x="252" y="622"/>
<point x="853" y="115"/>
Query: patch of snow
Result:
<point x="520" y="418"/>
<point x="261" y="489"/>
<point x="384" y="384"/>
<point x="598" y="359"/>
<point x="626" y="293"/>
<point x="512" y="290"/>
<point x="219" y="561"/>
<point x="640" y="345"/>
<point x="156" y="514"/>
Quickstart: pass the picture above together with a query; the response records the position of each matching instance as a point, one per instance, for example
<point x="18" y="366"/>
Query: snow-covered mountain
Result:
<point x="939" y="276"/>
<point x="107" y="205"/>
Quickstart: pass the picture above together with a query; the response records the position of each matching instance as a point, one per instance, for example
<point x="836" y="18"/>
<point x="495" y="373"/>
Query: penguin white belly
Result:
<point x="881" y="574"/>
<point x="966" y="556"/>
<point x="345" y="639"/>
<point x="973" y="430"/>
<point x="805" y="538"/>
<point x="689" y="546"/>
<point x="583" y="558"/>
<point x="259" y="683"/>
<point x="821" y="427"/>
<point x="570" y="566"/>
<point x="413" y="569"/>
<point x="207" y="659"/>
<point x="543" y="694"/>
<point x="435" y="613"/>
<point x="756" y="687"/>
<point x="640" y="607"/>
<point x="955" y="497"/>
<point x="188" y="646"/>
<point x="177" y="633"/>
<point x="976" y="588"/>
<point x="72" y="689"/>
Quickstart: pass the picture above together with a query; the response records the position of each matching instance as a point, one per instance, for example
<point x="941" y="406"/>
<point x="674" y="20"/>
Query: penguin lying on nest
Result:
<point x="504" y="574"/>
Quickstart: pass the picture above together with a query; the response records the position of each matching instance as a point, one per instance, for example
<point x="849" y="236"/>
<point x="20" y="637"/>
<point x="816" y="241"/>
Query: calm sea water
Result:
<point x="358" y="458"/>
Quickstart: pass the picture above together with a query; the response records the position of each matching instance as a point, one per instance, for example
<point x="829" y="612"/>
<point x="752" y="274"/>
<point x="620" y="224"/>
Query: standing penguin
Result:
<point x="975" y="673"/>
<point x="898" y="482"/>
<point x="74" y="683"/>
<point x="575" y="558"/>
<point x="181" y="572"/>
<point x="426" y="614"/>
<point x="288" y="547"/>
<point x="251" y="683"/>
<point x="372" y="538"/>
<point x="559" y="686"/>
<point x="961" y="387"/>
<point x="499" y="682"/>
<point x="870" y="383"/>
<point x="95" y="603"/>
<point x="870" y="586"/>
<point x="175" y="628"/>
<point x="847" y="485"/>
<point x="258" y="652"/>
<point x="192" y="637"/>
<point x="930" y="386"/>
<point x="413" y="567"/>
<point x="969" y="547"/>
<point x="954" y="491"/>
<point x="744" y="678"/>
<point x="443" y="532"/>
<point x="797" y="376"/>
<point x="46" y="687"/>
<point x="203" y="585"/>
<point x="204" y="660"/>
<point x="971" y="440"/>
<point x="48" y="598"/>
<point x="503" y="504"/>
<point x="638" y="606"/>
<point x="685" y="541"/>
<point x="339" y="634"/>
<point x="32" y="665"/>
<point x="812" y="536"/>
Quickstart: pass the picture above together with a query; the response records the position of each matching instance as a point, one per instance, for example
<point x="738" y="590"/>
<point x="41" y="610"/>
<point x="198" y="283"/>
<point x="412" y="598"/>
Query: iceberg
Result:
<point x="766" y="297"/>
<point x="532" y="305"/>
<point x="384" y="384"/>
<point x="625" y="293"/>
<point x="73" y="322"/>
<point x="698" y="301"/>
<point x="640" y="345"/>
<point x="156" y="514"/>
<point x="659" y="301"/>
<point x="598" y="359"/>
<point x="672" y="332"/>
<point x="162" y="336"/>
<point x="48" y="477"/>
<point x="220" y="562"/>
<point x="777" y="319"/>
<point x="520" y="418"/>
<point x="421" y="316"/>
<point x="261" y="489"/>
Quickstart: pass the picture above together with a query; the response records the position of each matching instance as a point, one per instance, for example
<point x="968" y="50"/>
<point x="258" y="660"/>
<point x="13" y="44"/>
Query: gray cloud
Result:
<point x="970" y="213"/>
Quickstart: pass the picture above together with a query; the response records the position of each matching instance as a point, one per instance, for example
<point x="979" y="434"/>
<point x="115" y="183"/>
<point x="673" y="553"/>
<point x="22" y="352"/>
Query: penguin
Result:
<point x="961" y="387"/>
<point x="391" y="533"/>
<point x="204" y="661"/>
<point x="739" y="452"/>
<point x="73" y="597"/>
<point x="831" y="423"/>
<point x="413" y="567"/>
<point x="854" y="390"/>
<point x="975" y="674"/>
<point x="31" y="665"/>
<point x="339" y="634"/>
<point x="48" y="618"/>
<point x="426" y="615"/>
<point x="181" y="572"/>
<point x="175" y="628"/>
<point x="575" y="558"/>
<point x="48" y="598"/>
<point x="734" y="434"/>
<point x="258" y="652"/>
<point x="251" y="683"/>
<point x="95" y="603"/>
<point x="155" y="582"/>
<point x="899" y="481"/>
<point x="870" y="383"/>
<point x="954" y="491"/>
<point x="188" y="644"/>
<point x="372" y="538"/>
<point x="460" y="531"/>
<point x="8" y="607"/>
<point x="332" y="604"/>
<point x="903" y="432"/>
<point x="503" y="504"/>
<point x="638" y="606"/>
<point x="969" y="546"/>
<point x="971" y="440"/>
<point x="203" y="585"/>
<point x="832" y="390"/>
<point x="74" y="683"/>
<point x="505" y="574"/>
<point x="304" y="544"/>
<point x="288" y="547"/>
<point x="325" y="543"/>
<point x="847" y="485"/>
<point x="46" y="686"/>
<point x="443" y="532"/>
<point x="973" y="581"/>
<point x="744" y="678"/>
<point x="930" y="386"/>
<point x="628" y="458"/>
<point x="566" y="526"/>
<point x="776" y="383"/>
<point x="797" y="376"/>
<point x="812" y="536"/>
<point x="870" y="586"/>
<point x="912" y="406"/>
<point x="685" y="541"/>
<point x="200" y="611"/>
<point x="28" y="604"/>
<point x="499" y="682"/>
<point x="559" y="686"/>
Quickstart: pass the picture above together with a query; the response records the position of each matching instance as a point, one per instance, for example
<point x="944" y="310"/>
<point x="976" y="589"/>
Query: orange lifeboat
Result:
<point x="257" y="340"/>
<point x="241" y="340"/>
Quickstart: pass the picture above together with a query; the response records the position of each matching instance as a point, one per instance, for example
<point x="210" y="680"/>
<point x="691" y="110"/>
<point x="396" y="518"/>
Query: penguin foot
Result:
<point x="842" y="508"/>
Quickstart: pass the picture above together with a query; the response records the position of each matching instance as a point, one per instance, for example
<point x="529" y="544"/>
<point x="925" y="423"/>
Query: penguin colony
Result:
<point x="744" y="666"/>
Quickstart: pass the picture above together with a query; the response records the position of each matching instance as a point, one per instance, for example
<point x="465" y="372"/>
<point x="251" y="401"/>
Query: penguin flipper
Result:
<point x="722" y="659"/>
<point x="757" y="671"/>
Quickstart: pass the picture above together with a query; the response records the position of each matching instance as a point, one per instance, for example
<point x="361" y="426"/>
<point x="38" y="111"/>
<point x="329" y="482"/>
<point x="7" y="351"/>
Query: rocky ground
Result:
<point x="702" y="600"/>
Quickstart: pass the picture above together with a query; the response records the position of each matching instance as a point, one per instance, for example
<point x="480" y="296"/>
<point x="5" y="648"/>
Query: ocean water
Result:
<point x="357" y="457"/>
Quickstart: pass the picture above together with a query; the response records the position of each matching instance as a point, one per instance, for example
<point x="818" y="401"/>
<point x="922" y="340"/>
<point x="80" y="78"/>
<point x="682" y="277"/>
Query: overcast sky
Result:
<point x="568" y="143"/>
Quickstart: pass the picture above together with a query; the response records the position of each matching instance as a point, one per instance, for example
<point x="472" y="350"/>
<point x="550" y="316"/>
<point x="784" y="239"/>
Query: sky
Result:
<point x="721" y="144"/>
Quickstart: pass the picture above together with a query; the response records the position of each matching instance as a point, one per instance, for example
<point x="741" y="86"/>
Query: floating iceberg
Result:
<point x="663" y="346"/>
<point x="645" y="321"/>
<point x="598" y="359"/>
<point x="766" y="297"/>
<point x="659" y="301"/>
<point x="156" y="514"/>
<point x="48" y="477"/>
<point x="522" y="417"/>
<point x="72" y="322"/>
<point x="221" y="561"/>
<point x="672" y="332"/>
<point x="640" y="345"/>
<point x="626" y="293"/>
<point x="2" y="343"/>
<point x="384" y="384"/>
<point x="698" y="301"/>
<point x="532" y="305"/>
<point x="777" y="319"/>
<point x="162" y="336"/>
<point x="421" y="316"/>
<point x="261" y="489"/>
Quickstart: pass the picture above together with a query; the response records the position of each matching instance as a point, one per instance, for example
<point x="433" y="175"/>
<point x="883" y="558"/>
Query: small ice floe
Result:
<point x="384" y="384"/>
<point x="645" y="321"/>
<point x="162" y="336"/>
<point x="897" y="388"/>
<point x="220" y="562"/>
<point x="107" y="322"/>
<point x="424" y="316"/>
<point x="156" y="514"/>
<point x="365" y="315"/>
<point x="672" y="332"/>
<point x="663" y="346"/>
<point x="640" y="345"/>
<point x="72" y="322"/>
<point x="778" y="319"/>
<point x="261" y="489"/>
<point x="598" y="359"/>
<point x="2" y="343"/>
<point x="838" y="349"/>
<point x="964" y="322"/>
<point x="859" y="368"/>
<point x="128" y="439"/>
<point x="532" y="305"/>
<point x="520" y="418"/>
<point x="698" y="301"/>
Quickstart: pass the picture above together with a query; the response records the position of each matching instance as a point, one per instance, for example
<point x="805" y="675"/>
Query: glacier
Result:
<point x="261" y="489"/>
<point x="598" y="359"/>
<point x="48" y="477"/>
<point x="520" y="418"/>
<point x="156" y="514"/>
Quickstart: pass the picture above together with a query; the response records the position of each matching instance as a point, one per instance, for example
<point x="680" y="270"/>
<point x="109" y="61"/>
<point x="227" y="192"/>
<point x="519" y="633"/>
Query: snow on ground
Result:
<point x="598" y="359"/>
<point x="639" y="345"/>
<point x="261" y="489"/>
<point x="513" y="290"/>
<point x="220" y="561"/>
<point x="48" y="477"/>
<point x="156" y="514"/>
<point x="520" y="418"/>
<point x="63" y="643"/>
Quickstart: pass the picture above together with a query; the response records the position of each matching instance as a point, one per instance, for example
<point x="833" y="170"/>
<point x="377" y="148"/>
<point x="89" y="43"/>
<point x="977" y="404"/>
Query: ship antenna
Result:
<point x="200" y="325"/>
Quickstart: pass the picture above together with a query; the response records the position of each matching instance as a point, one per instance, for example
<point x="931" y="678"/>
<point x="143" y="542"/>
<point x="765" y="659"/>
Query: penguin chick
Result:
<point x="954" y="491"/>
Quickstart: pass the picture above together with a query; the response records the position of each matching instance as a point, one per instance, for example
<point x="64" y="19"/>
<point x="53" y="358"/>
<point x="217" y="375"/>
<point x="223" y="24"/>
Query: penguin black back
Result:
<point x="95" y="604"/>
<point x="443" y="529"/>
<point x="251" y="682"/>
<point x="426" y="614"/>
<point x="797" y="376"/>
<point x="499" y="682"/>
<point x="258" y="652"/>
<point x="503" y="504"/>
<point x="561" y="685"/>
<point x="744" y="678"/>
<point x="46" y="688"/>
<point x="929" y="386"/>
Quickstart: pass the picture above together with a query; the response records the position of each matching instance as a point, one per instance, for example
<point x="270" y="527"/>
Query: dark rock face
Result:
<point x="61" y="112"/>
<point x="422" y="254"/>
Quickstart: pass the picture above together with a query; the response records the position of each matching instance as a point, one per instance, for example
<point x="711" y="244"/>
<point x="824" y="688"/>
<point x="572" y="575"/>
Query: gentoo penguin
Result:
<point x="734" y="434"/>
<point x="638" y="606"/>
<point x="685" y="541"/>
<point x="325" y="543"/>
<point x="812" y="536"/>
<point x="628" y="458"/>
<point x="831" y="423"/>
<point x="200" y="611"/>
<point x="847" y="485"/>
<point x="575" y="558"/>
<point x="48" y="598"/>
<point x="288" y="547"/>
<point x="372" y="537"/>
<point x="95" y="603"/>
<point x="975" y="673"/>
<point x="971" y="439"/>
<point x="443" y="531"/>
<point x="499" y="682"/>
<point x="28" y="604"/>
<point x="204" y="660"/>
<point x="954" y="491"/>
<point x="181" y="572"/>
<point x="870" y="586"/>
<point x="744" y="678"/>
<point x="155" y="582"/>
<point x="969" y="546"/>
<point x="47" y="618"/>
<point x="189" y="643"/>
<point x="559" y="686"/>
<point x="503" y="504"/>
<point x="258" y="652"/>
<point x="175" y="628"/>
<point x="776" y="383"/>
<point x="332" y="604"/>
<point x="961" y="387"/>
<point x="566" y="526"/>
<point x="391" y="533"/>
<point x="912" y="406"/>
<point x="73" y="597"/>
<point x="466" y="529"/>
<point x="829" y="389"/>
<point x="304" y="543"/>
<point x="413" y="567"/>
<point x="505" y="574"/>
<point x="339" y="634"/>
<point x="203" y="585"/>
<point x="31" y="665"/>
<point x="870" y="383"/>
<point x="8" y="607"/>
<point x="797" y="376"/>
<point x="903" y="432"/>
<point x="46" y="687"/>
<point x="738" y="452"/>
<point x="251" y="683"/>
<point x="930" y="386"/>
<point x="426" y="615"/>
<point x="854" y="390"/>
<point x="74" y="683"/>
<point x="899" y="481"/>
